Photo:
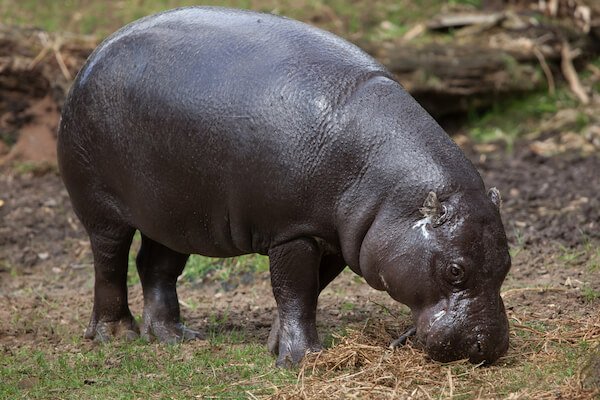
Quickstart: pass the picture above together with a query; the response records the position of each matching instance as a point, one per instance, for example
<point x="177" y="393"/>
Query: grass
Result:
<point x="594" y="260"/>
<point x="593" y="252"/>
<point x="219" y="368"/>
<point x="508" y="120"/>
<point x="586" y="74"/>
<point x="519" y="244"/>
<point x="570" y="256"/>
<point x="34" y="168"/>
<point x="544" y="362"/>
<point x="587" y="254"/>
<point x="199" y="267"/>
<point x="589" y="294"/>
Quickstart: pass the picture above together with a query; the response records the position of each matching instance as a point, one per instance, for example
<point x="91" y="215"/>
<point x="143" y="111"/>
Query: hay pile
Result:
<point x="360" y="365"/>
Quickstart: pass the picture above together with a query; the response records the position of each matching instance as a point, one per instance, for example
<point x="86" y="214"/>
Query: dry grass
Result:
<point x="541" y="364"/>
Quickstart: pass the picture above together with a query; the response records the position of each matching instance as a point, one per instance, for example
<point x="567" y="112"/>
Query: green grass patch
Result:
<point x="137" y="370"/>
<point x="90" y="16"/>
<point x="200" y="267"/>
<point x="508" y="120"/>
<point x="592" y="250"/>
<point x="223" y="269"/>
<point x="231" y="364"/>
<point x="562" y="362"/>
<point x="519" y="244"/>
<point x="570" y="256"/>
<point x="35" y="168"/>
<point x="589" y="294"/>
<point x="473" y="3"/>
<point x="594" y="261"/>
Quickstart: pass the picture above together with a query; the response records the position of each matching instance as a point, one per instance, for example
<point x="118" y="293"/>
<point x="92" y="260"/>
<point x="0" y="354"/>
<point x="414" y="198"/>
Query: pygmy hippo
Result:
<point x="224" y="132"/>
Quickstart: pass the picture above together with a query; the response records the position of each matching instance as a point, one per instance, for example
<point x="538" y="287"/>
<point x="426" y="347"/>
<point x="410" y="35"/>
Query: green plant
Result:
<point x="347" y="306"/>
<point x="570" y="256"/>
<point x="222" y="269"/>
<point x="508" y="120"/>
<point x="473" y="3"/>
<point x="35" y="168"/>
<point x="200" y="267"/>
<point x="581" y="121"/>
<point x="519" y="243"/>
<point x="594" y="261"/>
<point x="219" y="368"/>
<point x="589" y="294"/>
<point x="592" y="250"/>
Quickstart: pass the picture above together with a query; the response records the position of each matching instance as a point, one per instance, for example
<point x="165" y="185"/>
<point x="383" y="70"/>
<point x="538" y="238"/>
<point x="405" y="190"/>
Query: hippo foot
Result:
<point x="290" y="354"/>
<point x="105" y="331"/>
<point x="290" y="345"/>
<point x="170" y="333"/>
<point x="401" y="341"/>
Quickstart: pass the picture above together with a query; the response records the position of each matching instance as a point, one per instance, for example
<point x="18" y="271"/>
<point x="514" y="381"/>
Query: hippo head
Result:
<point x="447" y="264"/>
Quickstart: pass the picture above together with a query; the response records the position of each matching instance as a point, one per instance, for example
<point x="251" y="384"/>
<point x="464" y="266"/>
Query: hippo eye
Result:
<point x="456" y="273"/>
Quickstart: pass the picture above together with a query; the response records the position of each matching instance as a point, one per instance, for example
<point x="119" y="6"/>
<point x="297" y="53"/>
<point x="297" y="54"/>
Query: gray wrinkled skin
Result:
<point x="225" y="132"/>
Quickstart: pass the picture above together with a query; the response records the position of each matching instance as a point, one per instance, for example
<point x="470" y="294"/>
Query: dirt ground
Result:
<point x="551" y="212"/>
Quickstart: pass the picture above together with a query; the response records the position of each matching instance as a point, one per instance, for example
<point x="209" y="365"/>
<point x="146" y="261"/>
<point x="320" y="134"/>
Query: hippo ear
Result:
<point x="494" y="195"/>
<point x="434" y="210"/>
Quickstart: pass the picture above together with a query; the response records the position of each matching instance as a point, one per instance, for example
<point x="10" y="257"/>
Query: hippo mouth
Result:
<point x="447" y="335"/>
<point x="478" y="349"/>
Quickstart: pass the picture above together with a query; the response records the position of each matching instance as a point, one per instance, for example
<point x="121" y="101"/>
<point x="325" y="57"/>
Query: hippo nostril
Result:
<point x="477" y="353"/>
<point x="477" y="349"/>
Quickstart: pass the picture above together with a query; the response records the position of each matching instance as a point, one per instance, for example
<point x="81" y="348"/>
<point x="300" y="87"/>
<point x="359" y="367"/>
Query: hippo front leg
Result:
<point x="295" y="279"/>
<point x="331" y="266"/>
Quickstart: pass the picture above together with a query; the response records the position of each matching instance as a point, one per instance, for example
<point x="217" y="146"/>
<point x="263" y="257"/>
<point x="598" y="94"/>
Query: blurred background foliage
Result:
<point x="100" y="17"/>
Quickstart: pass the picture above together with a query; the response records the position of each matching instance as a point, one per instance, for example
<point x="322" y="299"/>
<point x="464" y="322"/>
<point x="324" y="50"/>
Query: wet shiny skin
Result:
<point x="225" y="132"/>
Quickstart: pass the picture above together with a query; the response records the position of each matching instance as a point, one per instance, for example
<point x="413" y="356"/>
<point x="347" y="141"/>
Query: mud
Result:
<point x="546" y="200"/>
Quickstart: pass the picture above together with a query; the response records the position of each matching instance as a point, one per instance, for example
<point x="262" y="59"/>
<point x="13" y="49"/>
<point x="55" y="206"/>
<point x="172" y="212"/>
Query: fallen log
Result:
<point x="491" y="57"/>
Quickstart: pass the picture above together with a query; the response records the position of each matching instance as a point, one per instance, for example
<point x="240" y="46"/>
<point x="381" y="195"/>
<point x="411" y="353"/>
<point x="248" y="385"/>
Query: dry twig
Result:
<point x="571" y="75"/>
<point x="546" y="69"/>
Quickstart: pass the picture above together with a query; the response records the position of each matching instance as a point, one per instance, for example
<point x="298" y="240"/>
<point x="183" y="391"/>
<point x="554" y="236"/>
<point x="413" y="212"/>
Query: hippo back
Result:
<point x="239" y="130"/>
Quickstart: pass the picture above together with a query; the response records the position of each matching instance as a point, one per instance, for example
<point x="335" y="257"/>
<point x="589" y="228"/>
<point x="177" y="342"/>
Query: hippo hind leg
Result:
<point x="111" y="316"/>
<point x="330" y="267"/>
<point x="159" y="267"/>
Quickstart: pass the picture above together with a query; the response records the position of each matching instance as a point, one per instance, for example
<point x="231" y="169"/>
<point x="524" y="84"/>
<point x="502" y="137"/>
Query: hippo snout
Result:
<point x="452" y="335"/>
<point x="487" y="350"/>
